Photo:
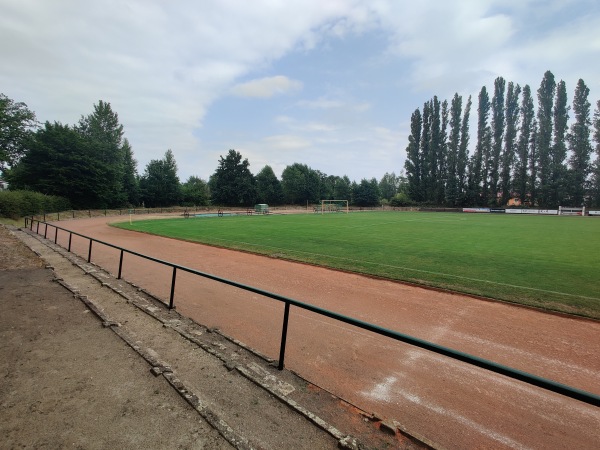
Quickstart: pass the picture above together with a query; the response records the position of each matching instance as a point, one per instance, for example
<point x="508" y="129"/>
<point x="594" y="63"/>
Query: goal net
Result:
<point x="571" y="211"/>
<point x="331" y="206"/>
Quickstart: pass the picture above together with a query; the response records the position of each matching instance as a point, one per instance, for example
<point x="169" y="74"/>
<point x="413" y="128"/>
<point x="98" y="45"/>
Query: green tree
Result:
<point x="413" y="164"/>
<point x="425" y="157"/>
<point x="595" y="190"/>
<point x="131" y="185"/>
<point x="366" y="193"/>
<point x="492" y="163"/>
<point x="17" y="123"/>
<point x="60" y="161"/>
<point x="533" y="163"/>
<point x="579" y="144"/>
<point x="477" y="169"/>
<point x="545" y="94"/>
<point x="300" y="184"/>
<point x="452" y="188"/>
<point x="558" y="184"/>
<point x="159" y="184"/>
<point x="268" y="187"/>
<point x="527" y="115"/>
<point x="342" y="189"/>
<point x="442" y="169"/>
<point x="388" y="185"/>
<point x="463" y="155"/>
<point x="195" y="192"/>
<point x="233" y="184"/>
<point x="510" y="140"/>
<point x="105" y="134"/>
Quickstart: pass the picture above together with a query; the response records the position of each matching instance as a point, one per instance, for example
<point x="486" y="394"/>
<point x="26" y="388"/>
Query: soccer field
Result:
<point x="547" y="262"/>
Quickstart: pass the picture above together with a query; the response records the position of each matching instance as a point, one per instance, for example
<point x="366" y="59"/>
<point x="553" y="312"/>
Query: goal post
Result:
<point x="328" y="206"/>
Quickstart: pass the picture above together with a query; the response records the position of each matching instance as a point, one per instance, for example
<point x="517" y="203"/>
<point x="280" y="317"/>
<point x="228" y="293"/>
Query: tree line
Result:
<point x="92" y="165"/>
<point x="532" y="158"/>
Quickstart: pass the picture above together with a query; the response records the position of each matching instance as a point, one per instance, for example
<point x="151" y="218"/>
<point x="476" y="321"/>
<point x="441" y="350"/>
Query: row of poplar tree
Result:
<point x="534" y="158"/>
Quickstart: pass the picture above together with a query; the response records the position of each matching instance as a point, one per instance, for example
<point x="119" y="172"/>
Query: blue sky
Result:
<point x="328" y="83"/>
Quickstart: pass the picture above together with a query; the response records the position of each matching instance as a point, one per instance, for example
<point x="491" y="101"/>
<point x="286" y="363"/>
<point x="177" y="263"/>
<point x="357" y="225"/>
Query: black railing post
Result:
<point x="37" y="230"/>
<point x="120" y="265"/>
<point x="45" y="231"/>
<point x="173" y="288"/>
<point x="70" y="237"/>
<point x="286" y="316"/>
<point x="56" y="235"/>
<point x="90" y="251"/>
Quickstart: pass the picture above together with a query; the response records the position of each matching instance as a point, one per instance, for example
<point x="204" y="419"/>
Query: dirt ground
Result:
<point x="69" y="383"/>
<point x="88" y="361"/>
<point x="452" y="404"/>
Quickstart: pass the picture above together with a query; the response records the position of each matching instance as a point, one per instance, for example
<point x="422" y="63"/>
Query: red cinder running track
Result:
<point x="451" y="403"/>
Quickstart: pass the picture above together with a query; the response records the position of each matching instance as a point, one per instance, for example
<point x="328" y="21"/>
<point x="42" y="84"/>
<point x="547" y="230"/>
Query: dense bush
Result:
<point x="401" y="199"/>
<point x="17" y="204"/>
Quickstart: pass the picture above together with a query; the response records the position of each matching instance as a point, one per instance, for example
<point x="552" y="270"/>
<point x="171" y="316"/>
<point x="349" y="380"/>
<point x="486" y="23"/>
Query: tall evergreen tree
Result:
<point x="498" y="124"/>
<point x="544" y="138"/>
<point x="413" y="164"/>
<point x="508" y="154"/>
<point x="558" y="153"/>
<point x="478" y="173"/>
<point x="527" y="114"/>
<point x="232" y="184"/>
<point x="580" y="145"/>
<point x="130" y="176"/>
<point x="105" y="134"/>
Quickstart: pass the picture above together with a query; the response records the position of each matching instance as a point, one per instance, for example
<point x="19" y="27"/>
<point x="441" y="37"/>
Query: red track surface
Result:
<point x="451" y="403"/>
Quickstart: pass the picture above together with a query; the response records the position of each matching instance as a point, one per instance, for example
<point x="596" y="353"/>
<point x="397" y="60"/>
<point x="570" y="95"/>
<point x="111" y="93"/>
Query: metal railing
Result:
<point x="534" y="380"/>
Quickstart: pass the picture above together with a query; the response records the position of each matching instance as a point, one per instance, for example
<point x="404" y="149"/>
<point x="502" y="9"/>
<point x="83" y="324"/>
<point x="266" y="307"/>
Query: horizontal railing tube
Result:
<point x="568" y="391"/>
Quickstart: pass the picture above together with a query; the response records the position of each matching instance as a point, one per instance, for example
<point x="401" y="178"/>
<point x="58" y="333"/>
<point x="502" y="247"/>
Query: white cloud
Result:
<point x="266" y="87"/>
<point x="163" y="65"/>
<point x="285" y="142"/>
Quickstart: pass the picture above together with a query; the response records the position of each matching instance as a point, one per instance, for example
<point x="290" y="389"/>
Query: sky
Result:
<point x="328" y="83"/>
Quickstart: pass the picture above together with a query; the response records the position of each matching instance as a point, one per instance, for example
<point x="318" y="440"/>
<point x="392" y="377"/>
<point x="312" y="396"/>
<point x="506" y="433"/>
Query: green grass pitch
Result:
<point x="547" y="262"/>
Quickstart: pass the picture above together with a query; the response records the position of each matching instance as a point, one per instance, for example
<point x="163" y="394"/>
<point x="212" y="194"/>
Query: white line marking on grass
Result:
<point x="413" y="270"/>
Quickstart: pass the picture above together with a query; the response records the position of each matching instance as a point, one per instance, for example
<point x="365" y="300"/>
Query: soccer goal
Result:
<point x="571" y="211"/>
<point x="328" y="206"/>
